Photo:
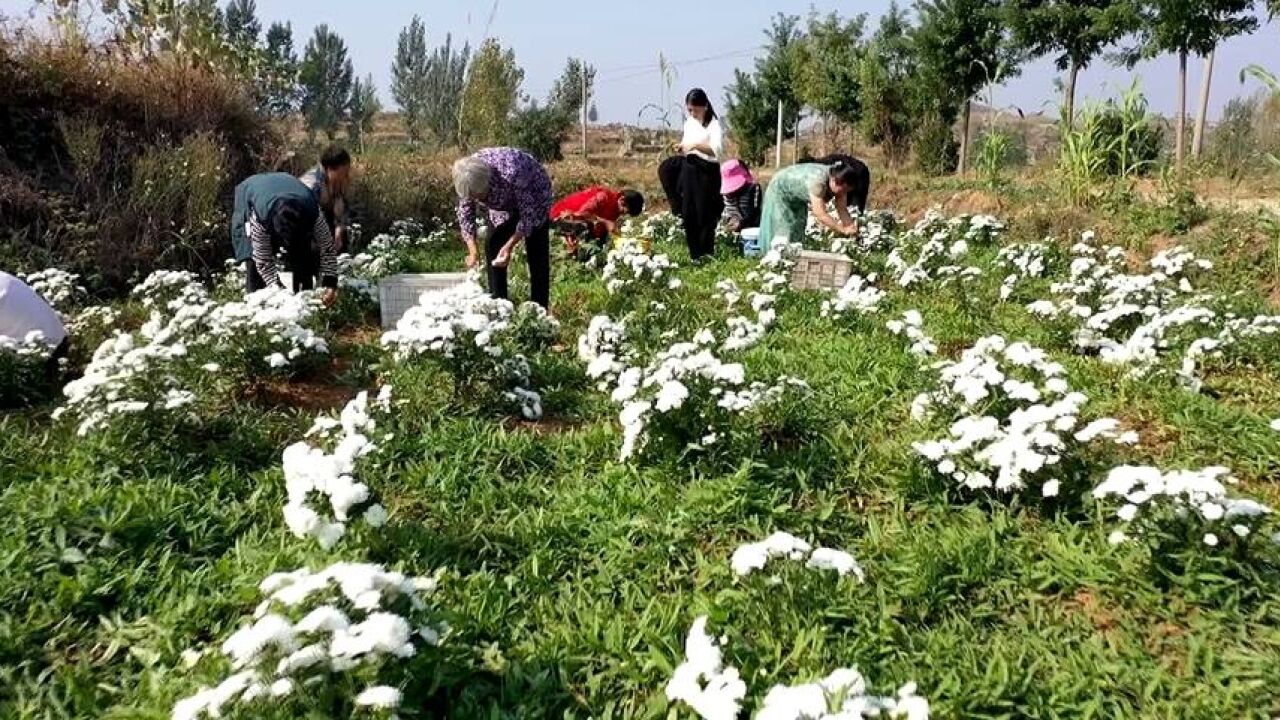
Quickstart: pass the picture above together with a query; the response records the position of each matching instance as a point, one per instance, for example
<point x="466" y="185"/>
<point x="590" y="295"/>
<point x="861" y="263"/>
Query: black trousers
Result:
<point x="701" y="204"/>
<point x="537" y="251"/>
<point x="253" y="281"/>
<point x="669" y="175"/>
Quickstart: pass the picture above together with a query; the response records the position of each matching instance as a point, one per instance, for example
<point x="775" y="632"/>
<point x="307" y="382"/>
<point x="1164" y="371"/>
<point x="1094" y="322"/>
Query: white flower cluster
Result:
<point x="154" y="370"/>
<point x="94" y="317"/>
<point x="1235" y="331"/>
<point x="770" y="277"/>
<point x="685" y="376"/>
<point x="1023" y="261"/>
<point x="59" y="288"/>
<point x="22" y="364"/>
<point x="475" y="336"/>
<point x="1011" y="415"/>
<point x="774" y="272"/>
<point x="715" y="691"/>
<point x="978" y="229"/>
<point x="314" y="625"/>
<point x="1137" y="320"/>
<point x="745" y="331"/>
<point x="628" y="267"/>
<point x="268" y="325"/>
<point x="753" y="556"/>
<point x="875" y="234"/>
<point x="128" y="375"/>
<point x="387" y="254"/>
<point x="940" y="245"/>
<point x="452" y="321"/>
<point x="310" y="470"/>
<point x="859" y="296"/>
<point x="842" y="695"/>
<point x="1121" y="315"/>
<point x="1153" y="499"/>
<point x="911" y="326"/>
<point x="163" y="287"/>
<point x="661" y="227"/>
<point x="702" y="681"/>
<point x="32" y="347"/>
<point x="603" y="347"/>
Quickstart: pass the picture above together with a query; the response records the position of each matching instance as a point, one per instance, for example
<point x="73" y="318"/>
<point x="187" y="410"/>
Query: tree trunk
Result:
<point x="963" y="166"/>
<point x="1182" y="109"/>
<point x="1070" y="114"/>
<point x="1197" y="140"/>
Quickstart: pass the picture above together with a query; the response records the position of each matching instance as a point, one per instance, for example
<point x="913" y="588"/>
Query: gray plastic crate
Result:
<point x="398" y="293"/>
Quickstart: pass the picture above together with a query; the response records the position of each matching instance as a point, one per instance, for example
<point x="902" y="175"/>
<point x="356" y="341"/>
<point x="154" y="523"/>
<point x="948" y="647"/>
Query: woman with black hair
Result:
<point x="273" y="212"/>
<point x="861" y="187"/>
<point x="700" y="201"/>
<point x="808" y="187"/>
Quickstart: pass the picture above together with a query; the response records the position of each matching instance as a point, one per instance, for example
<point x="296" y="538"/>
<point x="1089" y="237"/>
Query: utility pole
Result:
<point x="582" y="66"/>
<point x="777" y="149"/>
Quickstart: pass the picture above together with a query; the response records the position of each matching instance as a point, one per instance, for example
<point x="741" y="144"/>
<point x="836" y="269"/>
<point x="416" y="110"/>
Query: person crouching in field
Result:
<point x="742" y="196"/>
<point x="516" y="190"/>
<point x="328" y="182"/>
<point x="273" y="212"/>
<point x="861" y="187"/>
<point x="593" y="213"/>
<point x="796" y="190"/>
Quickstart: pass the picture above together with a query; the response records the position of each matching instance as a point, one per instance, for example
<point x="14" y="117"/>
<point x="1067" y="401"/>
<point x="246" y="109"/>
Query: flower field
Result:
<point x="997" y="474"/>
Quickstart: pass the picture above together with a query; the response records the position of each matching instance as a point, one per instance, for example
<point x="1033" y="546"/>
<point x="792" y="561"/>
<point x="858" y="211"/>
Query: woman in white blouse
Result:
<point x="702" y="147"/>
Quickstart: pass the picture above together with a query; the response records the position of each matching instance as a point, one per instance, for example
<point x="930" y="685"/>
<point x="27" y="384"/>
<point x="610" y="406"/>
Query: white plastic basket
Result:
<point x="820" y="271"/>
<point x="398" y="293"/>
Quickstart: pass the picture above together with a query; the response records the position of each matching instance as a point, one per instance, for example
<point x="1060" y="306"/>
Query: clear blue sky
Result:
<point x="623" y="40"/>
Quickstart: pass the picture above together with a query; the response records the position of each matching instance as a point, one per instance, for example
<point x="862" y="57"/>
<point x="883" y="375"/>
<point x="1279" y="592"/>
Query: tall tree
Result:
<point x="326" y="75"/>
<point x="962" y="45"/>
<point x="752" y="99"/>
<point x="889" y="95"/>
<point x="491" y="95"/>
<point x="1186" y="27"/>
<point x="827" y="71"/>
<point x="278" y="75"/>
<point x="409" y="77"/>
<point x="446" y="79"/>
<point x="242" y="26"/>
<point x="1074" y="31"/>
<point x="362" y="108"/>
<point x="567" y="93"/>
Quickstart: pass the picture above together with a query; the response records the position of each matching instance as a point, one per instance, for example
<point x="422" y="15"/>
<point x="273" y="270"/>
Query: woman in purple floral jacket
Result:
<point x="516" y="191"/>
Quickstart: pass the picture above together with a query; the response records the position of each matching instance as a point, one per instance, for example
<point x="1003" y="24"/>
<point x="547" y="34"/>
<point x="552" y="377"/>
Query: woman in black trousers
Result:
<point x="700" y="201"/>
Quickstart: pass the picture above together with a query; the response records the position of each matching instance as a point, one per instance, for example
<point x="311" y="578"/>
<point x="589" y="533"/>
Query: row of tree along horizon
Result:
<point x="903" y="85"/>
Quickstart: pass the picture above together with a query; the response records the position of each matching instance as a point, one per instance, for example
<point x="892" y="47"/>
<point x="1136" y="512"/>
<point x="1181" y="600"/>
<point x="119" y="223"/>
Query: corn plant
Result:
<point x="1272" y="223"/>
<point x="1109" y="142"/>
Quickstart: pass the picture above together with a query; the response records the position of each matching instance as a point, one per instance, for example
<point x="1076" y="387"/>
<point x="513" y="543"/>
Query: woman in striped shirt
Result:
<point x="273" y="212"/>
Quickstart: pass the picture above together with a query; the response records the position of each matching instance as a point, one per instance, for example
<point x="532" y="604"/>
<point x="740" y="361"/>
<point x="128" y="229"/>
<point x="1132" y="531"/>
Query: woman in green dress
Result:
<point x="799" y="189"/>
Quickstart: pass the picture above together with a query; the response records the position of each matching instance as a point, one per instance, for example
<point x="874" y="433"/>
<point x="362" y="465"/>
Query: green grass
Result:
<point x="573" y="578"/>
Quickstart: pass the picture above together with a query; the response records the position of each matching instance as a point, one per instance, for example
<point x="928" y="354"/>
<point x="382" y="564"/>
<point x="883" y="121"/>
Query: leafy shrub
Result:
<point x="398" y="184"/>
<point x="937" y="150"/>
<point x="22" y="369"/>
<point x="540" y="131"/>
<point x="82" y="121"/>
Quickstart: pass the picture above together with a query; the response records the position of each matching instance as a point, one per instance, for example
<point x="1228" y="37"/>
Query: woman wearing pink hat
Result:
<point x="742" y="196"/>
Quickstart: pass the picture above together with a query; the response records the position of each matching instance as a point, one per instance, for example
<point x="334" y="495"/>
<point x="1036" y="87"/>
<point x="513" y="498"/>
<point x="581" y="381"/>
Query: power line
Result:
<point x="650" y="68"/>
